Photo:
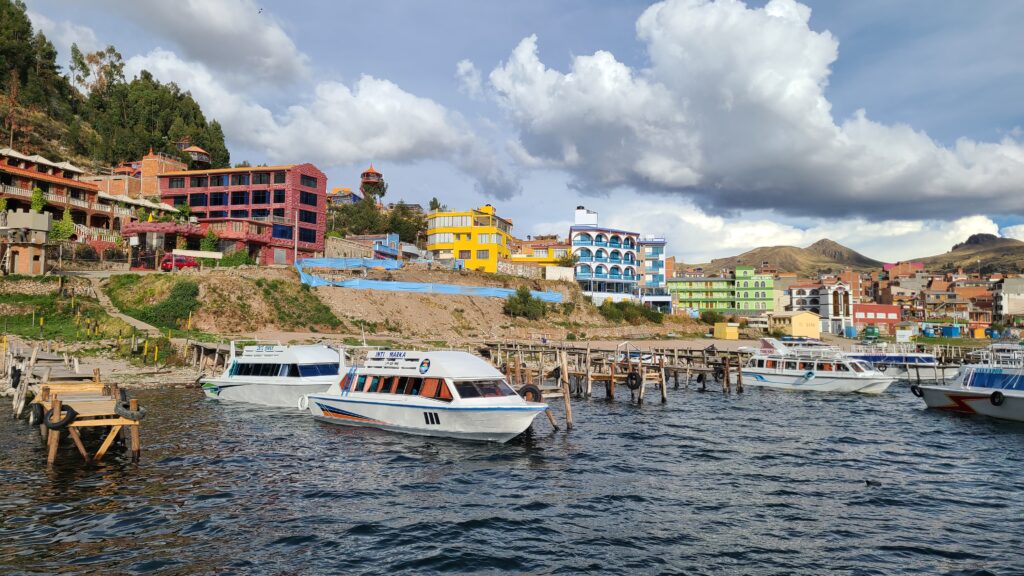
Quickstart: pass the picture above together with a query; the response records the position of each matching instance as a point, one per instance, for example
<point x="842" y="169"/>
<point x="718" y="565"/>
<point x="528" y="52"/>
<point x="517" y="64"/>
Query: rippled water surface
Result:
<point x="763" y="483"/>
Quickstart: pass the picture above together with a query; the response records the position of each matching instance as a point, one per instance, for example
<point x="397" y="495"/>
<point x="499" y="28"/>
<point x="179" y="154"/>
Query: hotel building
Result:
<point x="477" y="238"/>
<point x="606" y="259"/>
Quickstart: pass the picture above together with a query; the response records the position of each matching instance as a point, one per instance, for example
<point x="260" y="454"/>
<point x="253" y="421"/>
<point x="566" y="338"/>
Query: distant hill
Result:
<point x="823" y="256"/>
<point x="994" y="254"/>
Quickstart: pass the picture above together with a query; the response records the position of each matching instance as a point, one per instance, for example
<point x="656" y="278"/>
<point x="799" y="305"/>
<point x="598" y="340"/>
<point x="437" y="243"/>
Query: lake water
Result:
<point x="762" y="483"/>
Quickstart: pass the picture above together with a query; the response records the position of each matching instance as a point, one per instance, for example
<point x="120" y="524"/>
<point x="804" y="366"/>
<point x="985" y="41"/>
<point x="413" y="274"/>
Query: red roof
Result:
<point x="370" y="170"/>
<point x="195" y="148"/>
<point x="48" y="177"/>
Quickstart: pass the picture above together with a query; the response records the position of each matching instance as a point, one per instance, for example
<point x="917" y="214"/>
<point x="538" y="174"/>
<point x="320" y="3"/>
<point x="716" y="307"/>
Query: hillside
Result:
<point x="822" y="256"/>
<point x="994" y="254"/>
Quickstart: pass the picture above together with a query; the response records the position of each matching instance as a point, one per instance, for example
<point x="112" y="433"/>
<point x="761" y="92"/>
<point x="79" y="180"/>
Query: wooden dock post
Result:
<point x="564" y="364"/>
<point x="53" y="438"/>
<point x="739" y="377"/>
<point x="590" y="376"/>
<point x="133" y="405"/>
<point x="664" y="380"/>
<point x="726" y="384"/>
<point x="611" y="383"/>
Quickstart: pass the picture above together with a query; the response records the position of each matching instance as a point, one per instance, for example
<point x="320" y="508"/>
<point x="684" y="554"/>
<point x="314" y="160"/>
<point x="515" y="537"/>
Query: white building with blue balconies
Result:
<point x="653" y="282"/>
<point x="607" y="260"/>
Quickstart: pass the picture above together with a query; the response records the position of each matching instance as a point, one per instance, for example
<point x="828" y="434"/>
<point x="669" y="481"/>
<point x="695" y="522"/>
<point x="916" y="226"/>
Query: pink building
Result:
<point x="884" y="316"/>
<point x="272" y="211"/>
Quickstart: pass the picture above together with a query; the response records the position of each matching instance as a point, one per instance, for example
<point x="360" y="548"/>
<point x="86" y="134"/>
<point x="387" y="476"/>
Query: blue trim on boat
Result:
<point x="435" y="407"/>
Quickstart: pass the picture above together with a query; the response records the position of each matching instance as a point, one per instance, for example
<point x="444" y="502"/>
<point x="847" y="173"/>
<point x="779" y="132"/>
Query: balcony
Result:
<point x="585" y="258"/>
<point x="615" y="244"/>
<point x="578" y="242"/>
<point x="615" y="260"/>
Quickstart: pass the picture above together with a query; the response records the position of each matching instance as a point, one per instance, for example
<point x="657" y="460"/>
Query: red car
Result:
<point x="178" y="262"/>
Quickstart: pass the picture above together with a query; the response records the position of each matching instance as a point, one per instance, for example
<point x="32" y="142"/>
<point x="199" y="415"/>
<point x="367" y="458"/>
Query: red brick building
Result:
<point x="272" y="211"/>
<point x="884" y="316"/>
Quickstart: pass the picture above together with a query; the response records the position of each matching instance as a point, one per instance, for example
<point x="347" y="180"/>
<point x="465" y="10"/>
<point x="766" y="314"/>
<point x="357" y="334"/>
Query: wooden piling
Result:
<point x="133" y="405"/>
<point x="664" y="380"/>
<point x="565" y="390"/>
<point x="54" y="437"/>
<point x="590" y="376"/>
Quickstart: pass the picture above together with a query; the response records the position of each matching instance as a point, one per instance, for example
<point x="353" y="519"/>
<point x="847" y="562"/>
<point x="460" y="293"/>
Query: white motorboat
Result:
<point x="989" y="389"/>
<point x="275" y="375"/>
<point x="451" y="394"/>
<point x="903" y="362"/>
<point x="774" y="365"/>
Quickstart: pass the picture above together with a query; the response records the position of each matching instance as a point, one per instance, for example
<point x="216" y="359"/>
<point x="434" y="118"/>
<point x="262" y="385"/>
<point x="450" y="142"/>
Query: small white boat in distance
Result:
<point x="774" y="365"/>
<point x="451" y="394"/>
<point x="903" y="362"/>
<point x="989" y="389"/>
<point x="275" y="375"/>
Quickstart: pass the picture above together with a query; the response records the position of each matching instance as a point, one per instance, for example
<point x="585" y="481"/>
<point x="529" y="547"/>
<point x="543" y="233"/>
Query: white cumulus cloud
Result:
<point x="373" y="119"/>
<point x="731" y="112"/>
<point x="468" y="76"/>
<point x="63" y="34"/>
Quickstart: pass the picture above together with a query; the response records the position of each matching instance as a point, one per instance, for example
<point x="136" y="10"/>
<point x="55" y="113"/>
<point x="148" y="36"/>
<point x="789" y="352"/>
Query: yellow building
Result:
<point x="727" y="331"/>
<point x="542" y="250"/>
<point x="797" y="323"/>
<point x="477" y="237"/>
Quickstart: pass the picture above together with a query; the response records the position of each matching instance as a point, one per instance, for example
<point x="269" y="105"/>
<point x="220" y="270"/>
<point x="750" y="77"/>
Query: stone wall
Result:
<point x="342" y="248"/>
<point x="520" y="269"/>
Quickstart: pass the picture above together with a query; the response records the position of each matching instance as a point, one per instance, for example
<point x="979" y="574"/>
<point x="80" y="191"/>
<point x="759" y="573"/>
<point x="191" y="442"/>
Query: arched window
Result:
<point x="745" y="284"/>
<point x="746" y="295"/>
<point x="601" y="253"/>
<point x="584" y="238"/>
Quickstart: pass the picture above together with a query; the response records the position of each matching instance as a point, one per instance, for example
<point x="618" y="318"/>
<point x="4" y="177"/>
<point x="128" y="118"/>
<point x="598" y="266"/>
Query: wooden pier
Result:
<point x="63" y="402"/>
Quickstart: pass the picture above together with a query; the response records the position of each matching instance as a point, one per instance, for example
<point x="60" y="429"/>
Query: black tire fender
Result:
<point x="916" y="390"/>
<point x="882" y="367"/>
<point x="122" y="410"/>
<point x="531" y="393"/>
<point x="60" y="424"/>
<point x="997" y="398"/>
<point x="633" y="380"/>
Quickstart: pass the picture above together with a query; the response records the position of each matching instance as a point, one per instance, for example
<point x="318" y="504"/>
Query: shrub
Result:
<point x="62" y="229"/>
<point x="38" y="200"/>
<point x="209" y="242"/>
<point x="523" y="304"/>
<point x="85" y="252"/>
<point x="629" y="311"/>
<point x="711" y="317"/>
<point x="182" y="299"/>
<point x="113" y="255"/>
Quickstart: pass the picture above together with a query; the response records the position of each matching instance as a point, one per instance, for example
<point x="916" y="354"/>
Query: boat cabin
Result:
<point x="438" y="375"/>
<point x="285" y="361"/>
<point x="799" y="364"/>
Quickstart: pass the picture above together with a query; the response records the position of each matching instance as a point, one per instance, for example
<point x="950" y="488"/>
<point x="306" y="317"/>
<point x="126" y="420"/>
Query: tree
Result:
<point x="243" y="164"/>
<point x="38" y="200"/>
<point x="62" y="229"/>
<point x="3" y="204"/>
<point x="209" y="242"/>
<point x="435" y="204"/>
<point x="523" y="304"/>
<point x="78" y="68"/>
<point x="106" y="68"/>
<point x="568" y="261"/>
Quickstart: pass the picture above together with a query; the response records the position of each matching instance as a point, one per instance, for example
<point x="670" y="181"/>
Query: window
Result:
<point x="443" y="238"/>
<point x="197" y="200"/>
<point x="278" y="177"/>
<point x="239" y="213"/>
<point x="261" y="178"/>
<point x="429" y="387"/>
<point x="177" y="183"/>
<point x="483" y="254"/>
<point x="218" y="214"/>
<point x="198" y="182"/>
<point x="307" y="235"/>
<point x="307" y="198"/>
<point x="261" y="213"/>
<point x="279" y="212"/>
<point x="467" y="390"/>
<point x="261" y="196"/>
<point x="219" y="180"/>
<point x="484" y="389"/>
<point x="308" y="181"/>
<point x="278" y="196"/>
<point x="281" y="231"/>
<point x="307" y="216"/>
<point x="254" y="369"/>
<point x="239" y="197"/>
<point x="374" y="383"/>
<point x="318" y="369"/>
<point x="359" y="383"/>
<point x="540" y="253"/>
<point x="177" y="200"/>
<point x="239" y="179"/>
<point x="218" y="199"/>
<point x="465" y="254"/>
<point x="199" y="215"/>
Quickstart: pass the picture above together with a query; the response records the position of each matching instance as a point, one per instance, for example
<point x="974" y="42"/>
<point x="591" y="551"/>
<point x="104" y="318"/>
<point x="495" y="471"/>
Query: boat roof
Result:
<point x="442" y="364"/>
<point x="305" y="354"/>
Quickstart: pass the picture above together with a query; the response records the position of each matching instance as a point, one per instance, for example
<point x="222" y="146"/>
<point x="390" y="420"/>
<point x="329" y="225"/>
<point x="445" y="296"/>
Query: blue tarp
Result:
<point x="386" y="285"/>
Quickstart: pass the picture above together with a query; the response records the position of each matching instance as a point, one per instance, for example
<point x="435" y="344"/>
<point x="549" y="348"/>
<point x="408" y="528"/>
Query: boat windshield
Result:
<point x="483" y="388"/>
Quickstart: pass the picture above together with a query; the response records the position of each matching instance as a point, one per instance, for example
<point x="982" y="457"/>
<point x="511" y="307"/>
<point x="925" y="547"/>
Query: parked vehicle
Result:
<point x="177" y="262"/>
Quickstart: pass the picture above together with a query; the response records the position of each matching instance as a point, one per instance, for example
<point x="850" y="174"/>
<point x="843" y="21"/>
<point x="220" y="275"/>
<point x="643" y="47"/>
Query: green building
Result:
<point x="744" y="292"/>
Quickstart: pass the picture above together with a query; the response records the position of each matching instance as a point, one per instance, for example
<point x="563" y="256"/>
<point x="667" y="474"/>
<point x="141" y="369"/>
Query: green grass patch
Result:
<point x="51" y="317"/>
<point x="296" y="306"/>
<point x="629" y="312"/>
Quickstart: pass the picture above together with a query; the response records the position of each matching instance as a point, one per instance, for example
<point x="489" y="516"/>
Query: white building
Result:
<point x="1007" y="299"/>
<point x="653" y="284"/>
<point x="831" y="301"/>
<point x="606" y="259"/>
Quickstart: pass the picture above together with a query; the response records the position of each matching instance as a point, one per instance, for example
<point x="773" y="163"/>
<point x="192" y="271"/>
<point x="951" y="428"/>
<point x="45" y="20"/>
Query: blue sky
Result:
<point x="720" y="125"/>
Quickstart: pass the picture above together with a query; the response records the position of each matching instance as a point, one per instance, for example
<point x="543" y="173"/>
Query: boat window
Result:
<point x="403" y="385"/>
<point x="429" y="387"/>
<point x="857" y="366"/>
<point x="414" y="386"/>
<point x="359" y="383"/>
<point x="293" y="371"/>
<point x="443" y="393"/>
<point x="318" y="370"/>
<point x="804" y="366"/>
<point x="390" y="385"/>
<point x="467" y="390"/>
<point x="769" y="363"/>
<point x="374" y="382"/>
<point x="825" y="366"/>
<point x="790" y="364"/>
<point x="840" y="367"/>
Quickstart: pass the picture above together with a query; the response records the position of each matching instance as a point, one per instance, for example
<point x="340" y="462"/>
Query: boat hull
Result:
<point x="486" y="423"/>
<point x="264" y="393"/>
<point x="974" y="401"/>
<point x="819" y="383"/>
